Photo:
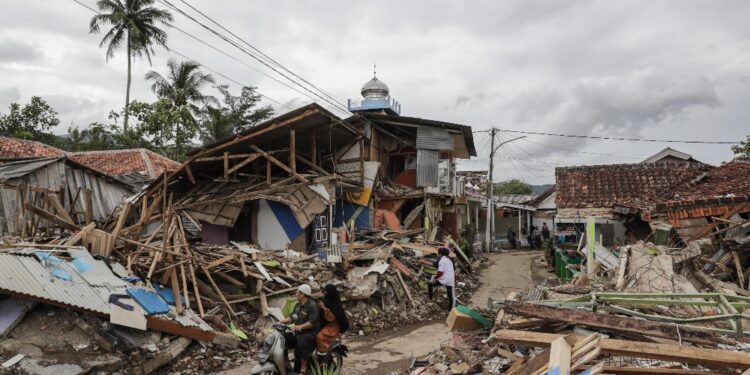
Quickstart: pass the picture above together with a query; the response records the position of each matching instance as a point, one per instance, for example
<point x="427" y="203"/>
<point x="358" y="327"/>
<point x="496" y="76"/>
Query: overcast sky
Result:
<point x="653" y="69"/>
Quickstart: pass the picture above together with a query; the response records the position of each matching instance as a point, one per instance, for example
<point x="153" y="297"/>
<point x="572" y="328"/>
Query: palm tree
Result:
<point x="182" y="86"/>
<point x="134" y="23"/>
<point x="217" y="124"/>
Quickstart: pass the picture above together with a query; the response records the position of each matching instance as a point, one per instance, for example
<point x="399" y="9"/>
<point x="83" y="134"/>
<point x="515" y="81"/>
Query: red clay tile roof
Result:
<point x="14" y="148"/>
<point x="631" y="185"/>
<point x="120" y="162"/>
<point x="728" y="180"/>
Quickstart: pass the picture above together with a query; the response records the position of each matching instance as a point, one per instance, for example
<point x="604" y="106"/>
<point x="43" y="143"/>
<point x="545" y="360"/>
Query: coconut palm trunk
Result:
<point x="135" y="22"/>
<point x="127" y="91"/>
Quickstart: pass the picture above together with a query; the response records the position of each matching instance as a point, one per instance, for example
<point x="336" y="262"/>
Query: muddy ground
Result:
<point x="393" y="350"/>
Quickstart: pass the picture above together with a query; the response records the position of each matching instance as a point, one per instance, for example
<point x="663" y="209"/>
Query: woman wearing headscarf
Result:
<point x="333" y="319"/>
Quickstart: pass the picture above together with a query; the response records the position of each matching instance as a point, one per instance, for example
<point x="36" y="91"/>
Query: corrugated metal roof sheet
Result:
<point x="434" y="139"/>
<point x="427" y="168"/>
<point x="22" y="168"/>
<point x="515" y="198"/>
<point x="24" y="275"/>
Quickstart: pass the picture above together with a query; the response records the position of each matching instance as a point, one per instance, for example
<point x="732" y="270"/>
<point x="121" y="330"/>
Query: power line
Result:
<point x="618" y="138"/>
<point x="578" y="152"/>
<point x="337" y="106"/>
<point x="269" y="58"/>
<point x="203" y="65"/>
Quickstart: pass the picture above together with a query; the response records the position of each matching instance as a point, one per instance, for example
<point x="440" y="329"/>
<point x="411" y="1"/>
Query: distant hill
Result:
<point x="539" y="189"/>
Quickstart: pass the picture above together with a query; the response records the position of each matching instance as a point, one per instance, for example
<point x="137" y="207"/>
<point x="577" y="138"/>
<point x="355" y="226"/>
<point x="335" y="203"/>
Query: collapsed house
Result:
<point x="615" y="196"/>
<point x="711" y="198"/>
<point x="295" y="180"/>
<point x="212" y="248"/>
<point x="33" y="187"/>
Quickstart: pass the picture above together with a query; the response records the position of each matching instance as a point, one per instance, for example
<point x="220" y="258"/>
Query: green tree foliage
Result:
<point x="243" y="107"/>
<point x="171" y="122"/>
<point x="216" y="124"/>
<point x="100" y="136"/>
<point x="742" y="149"/>
<point x="513" y="186"/>
<point x="31" y="121"/>
<point x="170" y="129"/>
<point x="134" y="25"/>
<point x="237" y="114"/>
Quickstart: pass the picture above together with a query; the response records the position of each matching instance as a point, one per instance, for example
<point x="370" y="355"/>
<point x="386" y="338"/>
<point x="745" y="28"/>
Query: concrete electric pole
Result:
<point x="490" y="225"/>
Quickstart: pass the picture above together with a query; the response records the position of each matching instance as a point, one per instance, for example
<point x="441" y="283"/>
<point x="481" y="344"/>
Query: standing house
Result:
<point x="416" y="161"/>
<point x="84" y="194"/>
<point x="615" y="195"/>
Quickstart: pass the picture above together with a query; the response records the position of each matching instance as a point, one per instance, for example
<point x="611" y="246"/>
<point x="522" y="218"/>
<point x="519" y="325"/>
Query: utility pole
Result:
<point x="490" y="226"/>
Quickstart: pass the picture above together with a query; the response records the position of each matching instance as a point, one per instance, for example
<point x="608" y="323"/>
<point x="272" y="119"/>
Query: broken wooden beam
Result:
<point x="638" y="349"/>
<point x="52" y="218"/>
<point x="612" y="322"/>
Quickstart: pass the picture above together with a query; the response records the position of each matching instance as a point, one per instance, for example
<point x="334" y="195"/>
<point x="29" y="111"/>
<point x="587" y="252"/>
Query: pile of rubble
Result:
<point x="122" y="314"/>
<point x="644" y="309"/>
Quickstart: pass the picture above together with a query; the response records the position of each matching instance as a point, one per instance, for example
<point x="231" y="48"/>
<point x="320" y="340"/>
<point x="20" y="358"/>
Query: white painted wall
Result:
<point x="270" y="235"/>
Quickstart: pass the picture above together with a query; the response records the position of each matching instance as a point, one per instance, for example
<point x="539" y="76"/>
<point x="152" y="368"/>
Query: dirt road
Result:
<point x="393" y="350"/>
<point x="508" y="272"/>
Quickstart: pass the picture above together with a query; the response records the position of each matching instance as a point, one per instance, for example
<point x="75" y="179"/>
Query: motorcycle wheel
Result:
<point x="338" y="360"/>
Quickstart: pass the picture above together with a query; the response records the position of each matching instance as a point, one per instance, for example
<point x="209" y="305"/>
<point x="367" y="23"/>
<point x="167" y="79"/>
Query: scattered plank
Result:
<point x="612" y="322"/>
<point x="639" y="349"/>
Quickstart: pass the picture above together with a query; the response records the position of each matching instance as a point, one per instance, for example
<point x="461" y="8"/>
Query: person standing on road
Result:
<point x="511" y="238"/>
<point x="445" y="276"/>
<point x="549" y="250"/>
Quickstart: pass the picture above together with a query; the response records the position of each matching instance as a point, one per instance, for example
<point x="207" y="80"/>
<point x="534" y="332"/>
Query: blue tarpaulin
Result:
<point x="151" y="303"/>
<point x="166" y="294"/>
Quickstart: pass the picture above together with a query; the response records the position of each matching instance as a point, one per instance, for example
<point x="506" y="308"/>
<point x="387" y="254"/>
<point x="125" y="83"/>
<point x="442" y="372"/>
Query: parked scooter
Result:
<point x="273" y="357"/>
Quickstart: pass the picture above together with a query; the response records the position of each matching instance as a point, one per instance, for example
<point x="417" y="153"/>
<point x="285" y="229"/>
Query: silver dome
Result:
<point x="375" y="89"/>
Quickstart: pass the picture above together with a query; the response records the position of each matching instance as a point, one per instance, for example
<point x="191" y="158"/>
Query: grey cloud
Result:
<point x="76" y="111"/>
<point x="465" y="99"/>
<point x="8" y="95"/>
<point x="613" y="105"/>
<point x="17" y="51"/>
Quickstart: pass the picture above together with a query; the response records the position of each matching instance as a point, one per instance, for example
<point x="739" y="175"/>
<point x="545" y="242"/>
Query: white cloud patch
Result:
<point x="17" y="51"/>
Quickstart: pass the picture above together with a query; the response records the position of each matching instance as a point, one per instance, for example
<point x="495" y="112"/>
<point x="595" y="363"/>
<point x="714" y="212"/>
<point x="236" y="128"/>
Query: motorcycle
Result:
<point x="273" y="357"/>
<point x="334" y="359"/>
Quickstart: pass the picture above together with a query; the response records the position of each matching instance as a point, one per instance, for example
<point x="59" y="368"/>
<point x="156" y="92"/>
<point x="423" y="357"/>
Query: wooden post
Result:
<point x="88" y="206"/>
<point x="620" y="284"/>
<point x="268" y="172"/>
<point x="314" y="152"/>
<point x="292" y="152"/>
<point x="226" y="165"/>
<point x="118" y="227"/>
<point x="262" y="295"/>
<point x="559" y="356"/>
<point x="193" y="279"/>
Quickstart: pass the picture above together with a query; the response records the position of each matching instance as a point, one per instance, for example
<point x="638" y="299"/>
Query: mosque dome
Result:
<point x="375" y="89"/>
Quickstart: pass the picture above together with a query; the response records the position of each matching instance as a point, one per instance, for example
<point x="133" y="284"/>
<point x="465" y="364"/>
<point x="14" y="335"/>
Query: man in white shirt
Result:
<point x="445" y="276"/>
